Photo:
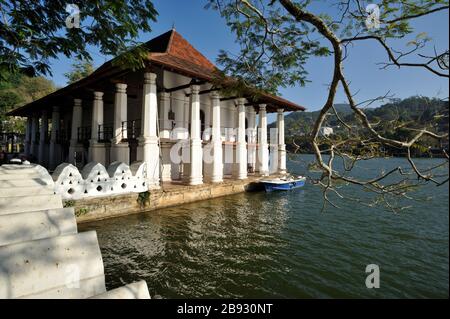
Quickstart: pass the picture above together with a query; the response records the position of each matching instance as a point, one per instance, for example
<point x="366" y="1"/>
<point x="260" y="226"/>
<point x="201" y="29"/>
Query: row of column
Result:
<point x="38" y="148"/>
<point x="149" y="143"/>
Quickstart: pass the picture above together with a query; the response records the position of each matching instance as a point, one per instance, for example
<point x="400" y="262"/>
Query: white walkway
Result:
<point x="42" y="255"/>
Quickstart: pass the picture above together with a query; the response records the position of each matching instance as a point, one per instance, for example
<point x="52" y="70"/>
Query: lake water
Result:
<point x="282" y="245"/>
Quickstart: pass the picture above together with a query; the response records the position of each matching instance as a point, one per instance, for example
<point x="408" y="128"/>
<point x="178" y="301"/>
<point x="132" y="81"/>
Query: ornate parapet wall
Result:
<point x="95" y="180"/>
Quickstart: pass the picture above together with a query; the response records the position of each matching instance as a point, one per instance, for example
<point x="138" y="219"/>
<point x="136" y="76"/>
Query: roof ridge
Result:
<point x="169" y="44"/>
<point x="190" y="53"/>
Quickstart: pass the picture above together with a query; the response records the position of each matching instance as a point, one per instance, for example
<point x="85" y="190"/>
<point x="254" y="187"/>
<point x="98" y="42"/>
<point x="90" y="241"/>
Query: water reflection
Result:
<point x="280" y="245"/>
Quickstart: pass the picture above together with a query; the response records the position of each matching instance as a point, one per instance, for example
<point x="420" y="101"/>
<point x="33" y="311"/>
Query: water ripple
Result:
<point x="281" y="245"/>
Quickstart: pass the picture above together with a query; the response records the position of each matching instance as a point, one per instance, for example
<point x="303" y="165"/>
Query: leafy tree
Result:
<point x="17" y="90"/>
<point x="33" y="32"/>
<point x="276" y="37"/>
<point x="80" y="70"/>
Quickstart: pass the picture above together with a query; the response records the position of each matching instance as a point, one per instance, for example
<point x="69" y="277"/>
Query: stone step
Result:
<point x="137" y="290"/>
<point x="29" y="203"/>
<point x="26" y="191"/>
<point x="23" y="169"/>
<point x="21" y="227"/>
<point x="58" y="267"/>
<point x="17" y="175"/>
<point x="25" y="182"/>
<point x="85" y="288"/>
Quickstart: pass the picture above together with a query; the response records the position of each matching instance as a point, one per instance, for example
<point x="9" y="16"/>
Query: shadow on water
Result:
<point x="280" y="245"/>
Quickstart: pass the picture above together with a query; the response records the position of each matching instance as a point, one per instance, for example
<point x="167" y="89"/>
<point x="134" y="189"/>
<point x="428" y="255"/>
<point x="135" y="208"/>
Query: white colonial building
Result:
<point x="168" y="115"/>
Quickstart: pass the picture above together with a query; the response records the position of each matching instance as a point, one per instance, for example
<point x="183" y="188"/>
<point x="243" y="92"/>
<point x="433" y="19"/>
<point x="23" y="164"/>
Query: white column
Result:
<point x="207" y="134"/>
<point x="34" y="146"/>
<point x="240" y="160"/>
<point x="77" y="115"/>
<point x="97" y="151"/>
<point x="148" y="150"/>
<point x="179" y="130"/>
<point x="54" y="157"/>
<point x="28" y="137"/>
<point x="187" y="114"/>
<point x="215" y="174"/>
<point x="263" y="147"/>
<point x="119" y="149"/>
<point x="281" y="143"/>
<point x="43" y="131"/>
<point x="252" y="137"/>
<point x="193" y="169"/>
<point x="273" y="150"/>
<point x="166" y="126"/>
<point x="185" y="151"/>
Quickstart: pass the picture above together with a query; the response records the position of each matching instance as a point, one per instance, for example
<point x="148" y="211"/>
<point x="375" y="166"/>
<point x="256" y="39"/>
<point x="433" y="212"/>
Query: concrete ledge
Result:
<point x="90" y="209"/>
<point x="29" y="204"/>
<point x="20" y="227"/>
<point x="35" y="267"/>
<point x="137" y="290"/>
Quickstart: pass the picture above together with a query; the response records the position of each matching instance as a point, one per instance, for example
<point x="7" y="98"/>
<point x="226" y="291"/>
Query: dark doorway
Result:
<point x="202" y="125"/>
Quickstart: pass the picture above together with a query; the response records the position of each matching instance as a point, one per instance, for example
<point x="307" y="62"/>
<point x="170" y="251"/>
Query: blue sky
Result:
<point x="206" y="31"/>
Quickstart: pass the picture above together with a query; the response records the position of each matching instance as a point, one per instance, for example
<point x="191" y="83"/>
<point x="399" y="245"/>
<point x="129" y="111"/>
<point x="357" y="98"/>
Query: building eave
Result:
<point x="166" y="56"/>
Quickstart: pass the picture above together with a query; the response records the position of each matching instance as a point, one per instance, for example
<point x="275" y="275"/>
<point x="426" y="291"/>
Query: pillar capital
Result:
<point x="98" y="95"/>
<point x="262" y="107"/>
<point x="55" y="109"/>
<point x="77" y="102"/>
<point x="195" y="89"/>
<point x="164" y="96"/>
<point x="121" y="88"/>
<point x="240" y="101"/>
<point x="214" y="95"/>
<point x="280" y="111"/>
<point x="149" y="78"/>
<point x="251" y="110"/>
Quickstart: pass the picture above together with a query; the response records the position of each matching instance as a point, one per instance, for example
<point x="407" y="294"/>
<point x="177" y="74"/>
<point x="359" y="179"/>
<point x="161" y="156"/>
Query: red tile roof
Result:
<point x="180" y="55"/>
<point x="180" y="48"/>
<point x="172" y="51"/>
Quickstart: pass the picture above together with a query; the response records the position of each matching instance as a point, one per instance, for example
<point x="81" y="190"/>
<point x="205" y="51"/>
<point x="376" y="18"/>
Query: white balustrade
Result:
<point x="95" y="180"/>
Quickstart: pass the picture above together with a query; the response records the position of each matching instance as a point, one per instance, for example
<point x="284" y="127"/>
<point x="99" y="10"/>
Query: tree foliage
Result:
<point x="17" y="90"/>
<point x="80" y="70"/>
<point x="414" y="112"/>
<point x="276" y="37"/>
<point x="34" y="32"/>
<point x="273" y="51"/>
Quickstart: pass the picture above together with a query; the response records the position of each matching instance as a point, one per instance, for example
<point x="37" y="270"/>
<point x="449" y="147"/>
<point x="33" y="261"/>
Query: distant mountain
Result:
<point x="301" y="122"/>
<point x="391" y="118"/>
<point x="417" y="111"/>
<point x="343" y="109"/>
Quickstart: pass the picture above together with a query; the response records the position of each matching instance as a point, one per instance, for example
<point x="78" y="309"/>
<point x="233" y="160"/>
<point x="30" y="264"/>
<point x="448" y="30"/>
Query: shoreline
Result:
<point x="169" y="195"/>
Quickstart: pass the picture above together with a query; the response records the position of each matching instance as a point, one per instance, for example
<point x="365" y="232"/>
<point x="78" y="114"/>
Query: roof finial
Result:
<point x="173" y="26"/>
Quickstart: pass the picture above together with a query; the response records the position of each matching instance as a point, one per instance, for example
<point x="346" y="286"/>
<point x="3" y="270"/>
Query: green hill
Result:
<point x="413" y="112"/>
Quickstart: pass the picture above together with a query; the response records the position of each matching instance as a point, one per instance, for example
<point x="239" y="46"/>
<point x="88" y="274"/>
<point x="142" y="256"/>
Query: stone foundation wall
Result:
<point x="90" y="209"/>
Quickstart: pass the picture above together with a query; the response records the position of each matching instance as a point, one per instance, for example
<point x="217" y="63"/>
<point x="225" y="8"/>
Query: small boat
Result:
<point x="283" y="184"/>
